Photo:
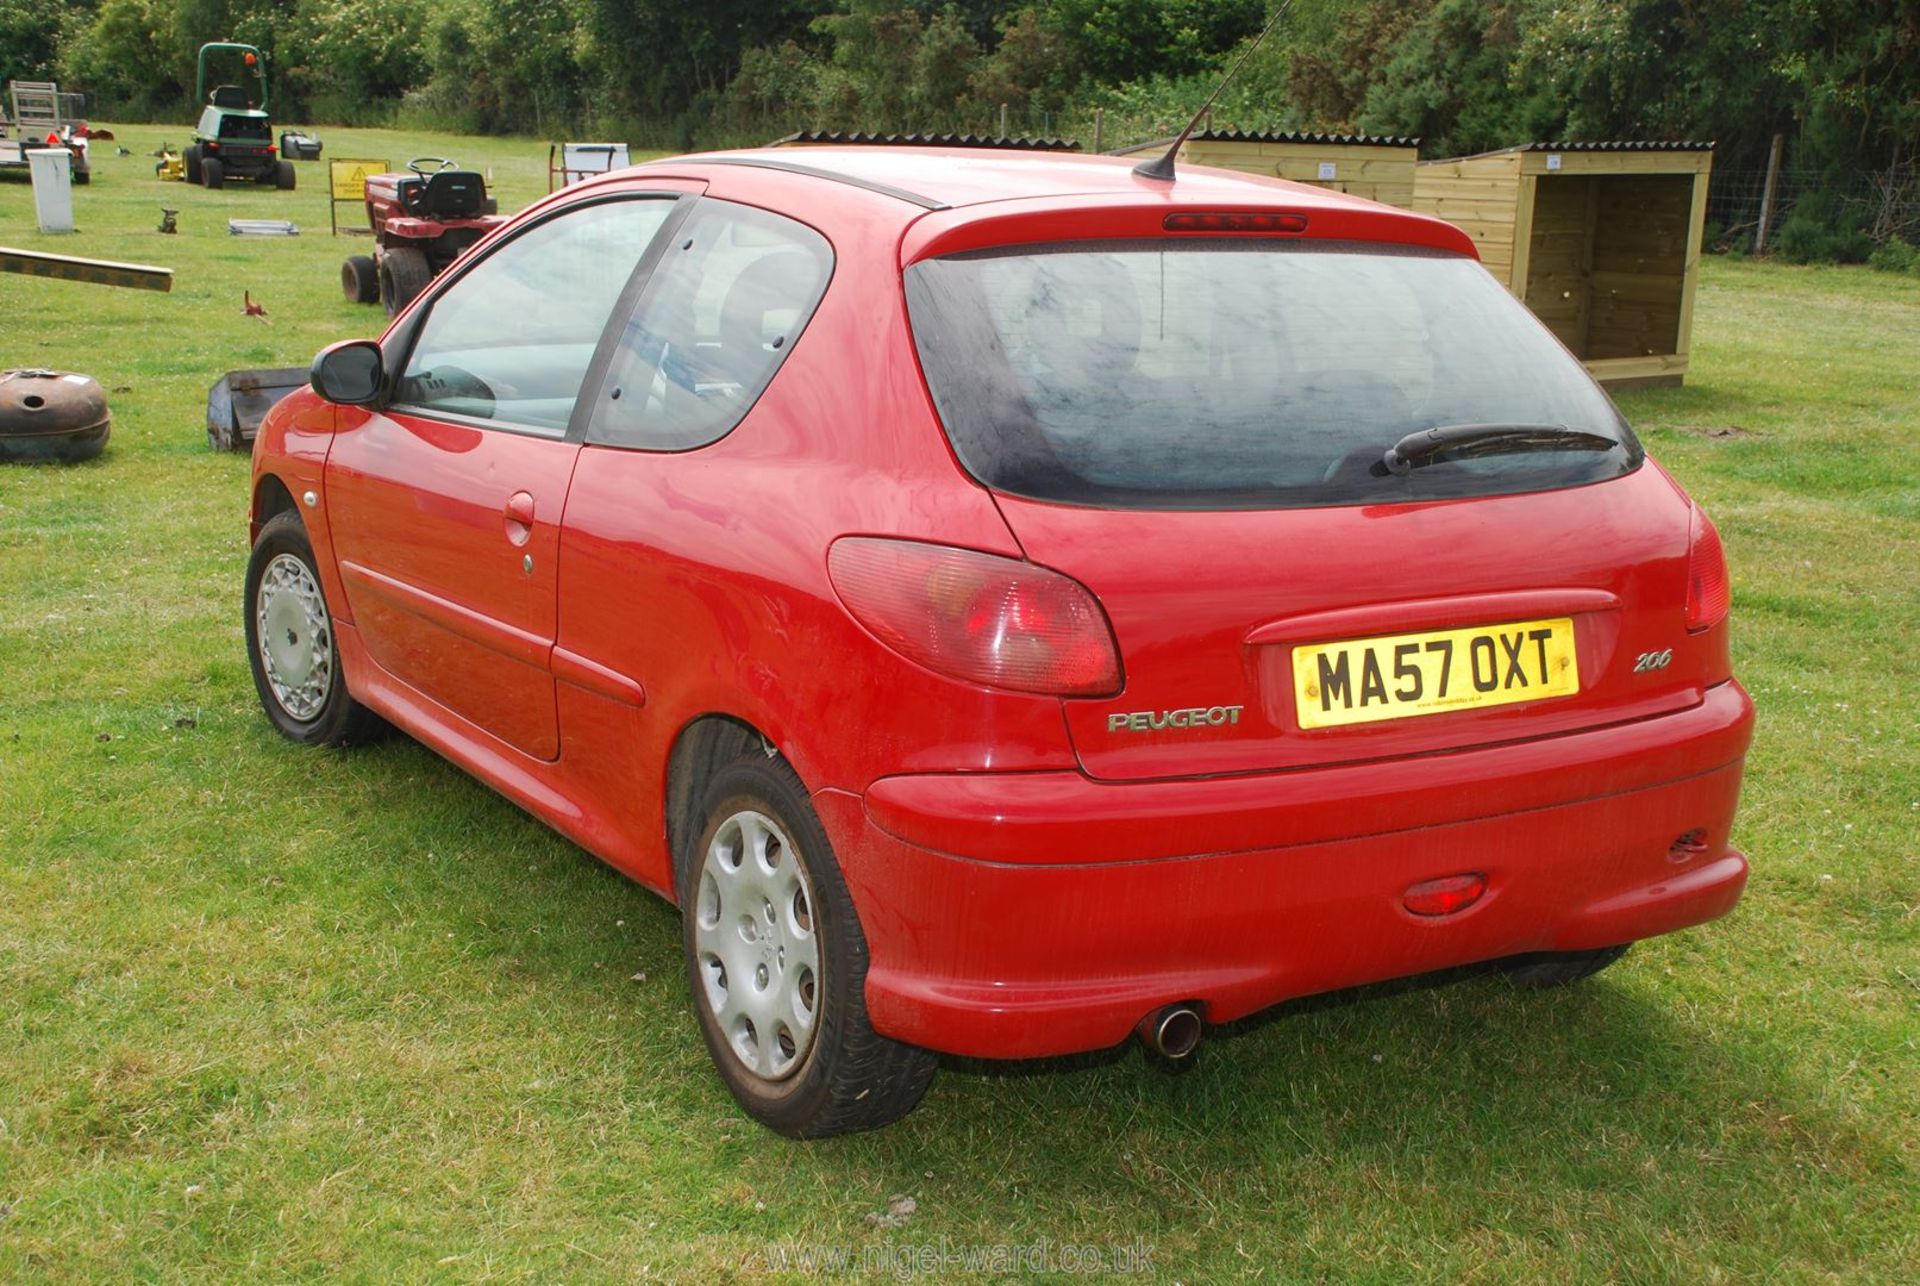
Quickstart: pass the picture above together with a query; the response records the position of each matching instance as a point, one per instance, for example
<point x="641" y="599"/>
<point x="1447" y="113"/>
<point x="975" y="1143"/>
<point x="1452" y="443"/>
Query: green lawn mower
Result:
<point x="234" y="139"/>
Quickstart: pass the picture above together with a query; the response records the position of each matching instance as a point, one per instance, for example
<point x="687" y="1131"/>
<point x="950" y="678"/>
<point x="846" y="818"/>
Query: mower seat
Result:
<point x="450" y="194"/>
<point x="229" y="96"/>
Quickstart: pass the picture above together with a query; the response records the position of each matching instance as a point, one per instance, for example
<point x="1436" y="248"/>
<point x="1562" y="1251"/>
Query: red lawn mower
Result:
<point x="422" y="221"/>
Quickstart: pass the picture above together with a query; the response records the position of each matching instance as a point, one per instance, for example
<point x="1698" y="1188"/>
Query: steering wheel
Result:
<point x="419" y="165"/>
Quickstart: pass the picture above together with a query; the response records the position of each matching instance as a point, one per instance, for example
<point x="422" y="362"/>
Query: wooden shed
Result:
<point x="1600" y="240"/>
<point x="1380" y="169"/>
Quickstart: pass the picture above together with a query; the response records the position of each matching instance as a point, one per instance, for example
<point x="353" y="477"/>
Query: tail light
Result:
<point x="993" y="621"/>
<point x="1709" y="594"/>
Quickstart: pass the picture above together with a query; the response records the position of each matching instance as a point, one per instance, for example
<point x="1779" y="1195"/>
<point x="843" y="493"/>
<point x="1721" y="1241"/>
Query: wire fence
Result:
<point x="1885" y="203"/>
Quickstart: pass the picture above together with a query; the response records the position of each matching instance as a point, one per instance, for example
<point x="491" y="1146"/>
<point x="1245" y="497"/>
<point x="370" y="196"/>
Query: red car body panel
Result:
<point x="445" y="536"/>
<point x="1029" y="884"/>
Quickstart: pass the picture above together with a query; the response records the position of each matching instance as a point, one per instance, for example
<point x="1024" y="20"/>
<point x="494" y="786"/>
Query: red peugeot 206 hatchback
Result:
<point x="1010" y="602"/>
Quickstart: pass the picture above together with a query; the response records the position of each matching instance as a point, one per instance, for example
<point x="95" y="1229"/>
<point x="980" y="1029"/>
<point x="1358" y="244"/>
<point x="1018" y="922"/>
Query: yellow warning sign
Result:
<point x="349" y="177"/>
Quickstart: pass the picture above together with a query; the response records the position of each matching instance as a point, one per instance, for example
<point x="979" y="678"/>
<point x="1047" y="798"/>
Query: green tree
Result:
<point x="30" y="36"/>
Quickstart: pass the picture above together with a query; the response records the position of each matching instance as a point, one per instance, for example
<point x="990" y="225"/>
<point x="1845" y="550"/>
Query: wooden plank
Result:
<point x="96" y="272"/>
<point x="1655" y="371"/>
<point x="1478" y="187"/>
<point x="1308" y="167"/>
<point x="1577" y="163"/>
<point x="1470" y="209"/>
<point x="1690" y="275"/>
<point x="1336" y="152"/>
<point x="1397" y="194"/>
<point x="1522" y="237"/>
<point x="1491" y="234"/>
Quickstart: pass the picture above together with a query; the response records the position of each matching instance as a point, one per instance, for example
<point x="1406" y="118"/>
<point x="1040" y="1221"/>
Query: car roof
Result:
<point x="936" y="177"/>
<point x="949" y="199"/>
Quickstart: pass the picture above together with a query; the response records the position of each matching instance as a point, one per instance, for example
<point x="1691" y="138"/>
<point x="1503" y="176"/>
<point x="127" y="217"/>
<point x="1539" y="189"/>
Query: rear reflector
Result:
<point x="1709" y="592"/>
<point x="1235" y="222"/>
<point x="1444" y="896"/>
<point x="998" y="622"/>
<point x="1688" y="846"/>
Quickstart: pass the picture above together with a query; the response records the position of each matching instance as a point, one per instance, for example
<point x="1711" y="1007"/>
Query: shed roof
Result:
<point x="1613" y="145"/>
<point x="857" y="138"/>
<point x="1275" y="136"/>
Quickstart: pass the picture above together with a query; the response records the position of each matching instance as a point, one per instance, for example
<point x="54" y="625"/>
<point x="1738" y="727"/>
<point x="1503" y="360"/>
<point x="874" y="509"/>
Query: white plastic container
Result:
<point x="52" y="170"/>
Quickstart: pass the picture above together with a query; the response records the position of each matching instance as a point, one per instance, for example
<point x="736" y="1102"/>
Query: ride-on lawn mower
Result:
<point x="422" y="221"/>
<point x="234" y="139"/>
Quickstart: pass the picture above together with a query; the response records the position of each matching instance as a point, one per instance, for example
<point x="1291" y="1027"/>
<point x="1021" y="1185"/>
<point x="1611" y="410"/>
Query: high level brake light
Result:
<point x="1234" y="221"/>
<point x="1709" y="591"/>
<point x="978" y="617"/>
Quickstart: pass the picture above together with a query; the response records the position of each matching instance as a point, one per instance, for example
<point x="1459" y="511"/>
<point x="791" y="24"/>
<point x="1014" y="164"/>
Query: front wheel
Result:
<point x="291" y="646"/>
<point x="190" y="162"/>
<point x="777" y="964"/>
<point x="404" y="273"/>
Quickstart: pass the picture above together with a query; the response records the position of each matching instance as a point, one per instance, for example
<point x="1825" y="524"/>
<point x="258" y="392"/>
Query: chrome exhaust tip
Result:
<point x="1173" y="1032"/>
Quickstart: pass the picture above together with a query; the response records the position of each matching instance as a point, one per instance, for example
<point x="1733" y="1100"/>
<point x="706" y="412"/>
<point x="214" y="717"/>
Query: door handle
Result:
<point x="519" y="517"/>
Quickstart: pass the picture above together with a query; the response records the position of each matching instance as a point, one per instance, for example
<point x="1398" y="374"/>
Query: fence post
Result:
<point x="1099" y="114"/>
<point x="1766" y="194"/>
<point x="1003" y="120"/>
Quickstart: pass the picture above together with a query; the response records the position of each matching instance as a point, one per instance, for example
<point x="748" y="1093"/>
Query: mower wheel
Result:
<point x="283" y="176"/>
<point x="190" y="159"/>
<point x="404" y="273"/>
<point x="212" y="173"/>
<point x="82" y="176"/>
<point x="360" y="280"/>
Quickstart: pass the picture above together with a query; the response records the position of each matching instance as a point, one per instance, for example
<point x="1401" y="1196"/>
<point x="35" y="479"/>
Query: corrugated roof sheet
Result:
<point x="1301" y="136"/>
<point x="844" y="138"/>
<point x="1615" y="145"/>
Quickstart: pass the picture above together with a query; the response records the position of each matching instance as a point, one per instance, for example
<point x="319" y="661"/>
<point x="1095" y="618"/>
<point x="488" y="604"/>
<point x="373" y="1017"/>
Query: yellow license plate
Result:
<point x="1402" y="675"/>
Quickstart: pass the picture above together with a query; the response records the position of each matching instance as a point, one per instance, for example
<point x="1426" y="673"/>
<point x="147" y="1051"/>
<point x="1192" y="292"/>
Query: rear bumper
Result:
<point x="1021" y="915"/>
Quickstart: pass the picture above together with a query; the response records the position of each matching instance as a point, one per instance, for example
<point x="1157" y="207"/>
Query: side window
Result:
<point x="723" y="310"/>
<point x="511" y="340"/>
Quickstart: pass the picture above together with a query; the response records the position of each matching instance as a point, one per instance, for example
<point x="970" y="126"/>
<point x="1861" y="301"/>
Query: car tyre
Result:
<point x="283" y="176"/>
<point x="760" y="843"/>
<point x="213" y="173"/>
<point x="404" y="273"/>
<point x="1559" y="968"/>
<point x="291" y="645"/>
<point x="360" y="280"/>
<point x="190" y="159"/>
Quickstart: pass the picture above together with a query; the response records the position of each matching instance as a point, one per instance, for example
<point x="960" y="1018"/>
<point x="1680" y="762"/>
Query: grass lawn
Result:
<point x="267" y="1012"/>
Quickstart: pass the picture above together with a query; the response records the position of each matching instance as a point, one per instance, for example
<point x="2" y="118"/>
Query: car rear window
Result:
<point x="246" y="129"/>
<point x="1230" y="374"/>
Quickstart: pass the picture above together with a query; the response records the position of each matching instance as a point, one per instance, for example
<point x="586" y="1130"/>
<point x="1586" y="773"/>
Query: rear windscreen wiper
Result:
<point x="1490" y="439"/>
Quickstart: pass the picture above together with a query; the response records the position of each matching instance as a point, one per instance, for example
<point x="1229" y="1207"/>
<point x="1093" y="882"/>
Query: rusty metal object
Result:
<point x="51" y="416"/>
<point x="239" y="400"/>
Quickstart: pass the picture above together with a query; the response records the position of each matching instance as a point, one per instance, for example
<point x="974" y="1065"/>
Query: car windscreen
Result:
<point x="1239" y="374"/>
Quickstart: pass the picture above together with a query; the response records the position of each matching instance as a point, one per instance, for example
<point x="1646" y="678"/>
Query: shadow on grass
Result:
<point x="1450" y="1077"/>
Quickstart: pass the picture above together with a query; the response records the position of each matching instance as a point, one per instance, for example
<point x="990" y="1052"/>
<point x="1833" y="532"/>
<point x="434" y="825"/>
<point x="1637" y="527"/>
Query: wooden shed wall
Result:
<point x="1481" y="195"/>
<point x="1373" y="171"/>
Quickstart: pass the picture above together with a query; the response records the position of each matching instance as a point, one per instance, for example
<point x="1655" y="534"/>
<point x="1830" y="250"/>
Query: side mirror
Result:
<point x="349" y="373"/>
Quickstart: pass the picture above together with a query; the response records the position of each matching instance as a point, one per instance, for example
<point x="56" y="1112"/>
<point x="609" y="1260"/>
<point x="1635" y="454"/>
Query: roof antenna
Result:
<point x="1162" y="167"/>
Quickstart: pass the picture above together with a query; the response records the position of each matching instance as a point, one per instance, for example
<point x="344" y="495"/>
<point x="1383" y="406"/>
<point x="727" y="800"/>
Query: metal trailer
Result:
<point x="41" y="117"/>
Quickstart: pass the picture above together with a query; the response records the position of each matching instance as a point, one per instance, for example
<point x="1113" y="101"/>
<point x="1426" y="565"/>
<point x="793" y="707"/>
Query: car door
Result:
<point x="445" y="503"/>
